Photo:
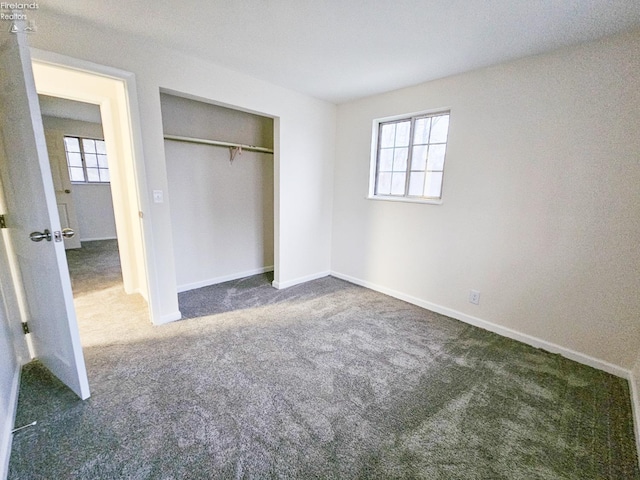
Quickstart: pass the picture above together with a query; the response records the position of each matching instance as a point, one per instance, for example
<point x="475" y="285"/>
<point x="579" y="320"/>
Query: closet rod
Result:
<point x="216" y="143"/>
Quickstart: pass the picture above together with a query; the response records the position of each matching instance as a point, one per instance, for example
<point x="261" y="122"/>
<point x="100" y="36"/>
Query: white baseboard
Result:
<point x="635" y="407"/>
<point x="6" y="439"/>
<point x="495" y="328"/>
<point x="97" y="239"/>
<point x="299" y="280"/>
<point x="224" y="278"/>
<point x="171" y="317"/>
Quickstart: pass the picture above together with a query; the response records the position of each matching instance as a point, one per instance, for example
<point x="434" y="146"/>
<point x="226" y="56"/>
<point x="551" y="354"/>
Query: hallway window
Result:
<point x="87" y="160"/>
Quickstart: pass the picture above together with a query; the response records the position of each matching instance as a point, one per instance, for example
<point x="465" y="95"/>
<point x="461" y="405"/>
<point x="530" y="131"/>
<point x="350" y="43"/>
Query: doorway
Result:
<point x="80" y="169"/>
<point x="81" y="178"/>
<point x="112" y="96"/>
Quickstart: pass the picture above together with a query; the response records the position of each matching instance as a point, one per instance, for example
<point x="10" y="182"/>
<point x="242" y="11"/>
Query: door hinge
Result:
<point x="3" y="222"/>
<point x="25" y="328"/>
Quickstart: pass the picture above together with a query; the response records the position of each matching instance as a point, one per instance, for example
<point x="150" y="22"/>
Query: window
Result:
<point x="409" y="160"/>
<point x="87" y="160"/>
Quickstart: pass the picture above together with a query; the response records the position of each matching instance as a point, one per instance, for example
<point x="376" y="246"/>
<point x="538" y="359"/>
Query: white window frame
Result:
<point x="375" y="145"/>
<point x="82" y="153"/>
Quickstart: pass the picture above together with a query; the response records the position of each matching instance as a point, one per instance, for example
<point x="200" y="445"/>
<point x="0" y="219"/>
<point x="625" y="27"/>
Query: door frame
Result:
<point x="132" y="173"/>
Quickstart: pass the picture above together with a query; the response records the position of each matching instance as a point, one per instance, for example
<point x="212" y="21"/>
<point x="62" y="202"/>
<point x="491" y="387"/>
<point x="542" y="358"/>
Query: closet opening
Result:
<point x="220" y="171"/>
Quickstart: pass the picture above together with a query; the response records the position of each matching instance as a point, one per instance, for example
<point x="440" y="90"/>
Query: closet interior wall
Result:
<point x="222" y="212"/>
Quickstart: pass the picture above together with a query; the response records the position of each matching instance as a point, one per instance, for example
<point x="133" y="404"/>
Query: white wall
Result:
<point x="95" y="212"/>
<point x="222" y="212"/>
<point x="62" y="108"/>
<point x="540" y="212"/>
<point x="69" y="126"/>
<point x="94" y="207"/>
<point x="304" y="144"/>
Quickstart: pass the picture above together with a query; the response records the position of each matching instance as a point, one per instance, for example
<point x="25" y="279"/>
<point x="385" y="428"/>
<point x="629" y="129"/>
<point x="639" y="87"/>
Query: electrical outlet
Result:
<point x="474" y="297"/>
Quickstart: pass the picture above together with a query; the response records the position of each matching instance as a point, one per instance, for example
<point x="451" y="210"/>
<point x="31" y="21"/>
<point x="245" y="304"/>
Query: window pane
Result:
<point x="104" y="175"/>
<point x="74" y="159"/>
<point x="419" y="158"/>
<point x="91" y="160"/>
<point x="421" y="132"/>
<point x="416" y="184"/>
<point x="402" y="134"/>
<point x="397" y="183"/>
<point x="93" y="175"/>
<point x="400" y="159"/>
<point x="88" y="145"/>
<point x="386" y="160"/>
<point x="436" y="157"/>
<point x="421" y="174"/>
<point x="76" y="174"/>
<point x="388" y="135"/>
<point x="101" y="147"/>
<point x="384" y="184"/>
<point x="439" y="129"/>
<point x="102" y="161"/>
<point x="71" y="144"/>
<point x="433" y="184"/>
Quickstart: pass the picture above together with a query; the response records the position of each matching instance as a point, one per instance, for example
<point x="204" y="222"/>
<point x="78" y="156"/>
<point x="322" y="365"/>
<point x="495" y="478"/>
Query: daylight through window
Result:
<point x="87" y="160"/>
<point x="410" y="157"/>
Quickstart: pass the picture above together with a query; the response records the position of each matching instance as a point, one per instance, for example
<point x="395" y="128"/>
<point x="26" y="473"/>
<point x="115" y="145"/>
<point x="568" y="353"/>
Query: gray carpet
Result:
<point x="322" y="380"/>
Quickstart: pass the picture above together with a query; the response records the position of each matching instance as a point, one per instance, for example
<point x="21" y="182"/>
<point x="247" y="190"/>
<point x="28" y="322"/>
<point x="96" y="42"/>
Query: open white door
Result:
<point x="31" y="207"/>
<point x="62" y="187"/>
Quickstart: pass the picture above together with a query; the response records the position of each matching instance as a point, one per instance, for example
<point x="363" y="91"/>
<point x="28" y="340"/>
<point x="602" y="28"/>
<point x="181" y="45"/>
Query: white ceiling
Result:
<point x="339" y="50"/>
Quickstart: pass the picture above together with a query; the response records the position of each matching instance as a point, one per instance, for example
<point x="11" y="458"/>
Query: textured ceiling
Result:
<point x="339" y="50"/>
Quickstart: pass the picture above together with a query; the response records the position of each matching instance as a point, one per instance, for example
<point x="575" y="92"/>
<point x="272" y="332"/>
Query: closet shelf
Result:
<point x="216" y="143"/>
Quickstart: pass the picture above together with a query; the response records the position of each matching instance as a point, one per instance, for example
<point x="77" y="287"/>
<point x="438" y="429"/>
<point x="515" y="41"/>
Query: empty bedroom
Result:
<point x="380" y="240"/>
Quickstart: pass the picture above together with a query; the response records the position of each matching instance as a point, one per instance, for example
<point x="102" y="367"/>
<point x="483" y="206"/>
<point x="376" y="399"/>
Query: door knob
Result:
<point x="68" y="232"/>
<point x="39" y="236"/>
<point x="67" y="191"/>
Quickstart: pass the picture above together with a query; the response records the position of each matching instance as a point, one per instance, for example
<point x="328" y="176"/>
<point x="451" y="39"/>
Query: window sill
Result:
<point x="90" y="183"/>
<point x="428" y="201"/>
